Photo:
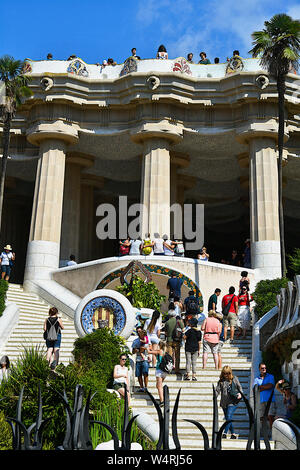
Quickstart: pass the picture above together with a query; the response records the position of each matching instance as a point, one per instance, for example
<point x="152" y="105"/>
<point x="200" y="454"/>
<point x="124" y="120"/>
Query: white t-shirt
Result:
<point x="71" y="263"/>
<point x="156" y="328"/>
<point x="158" y="245"/>
<point x="166" y="250"/>
<point x="5" y="258"/>
<point x="135" y="247"/>
<point x="121" y="370"/>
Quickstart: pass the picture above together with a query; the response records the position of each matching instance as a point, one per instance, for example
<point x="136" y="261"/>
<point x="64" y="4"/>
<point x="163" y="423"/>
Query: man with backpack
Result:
<point x="174" y="335"/>
<point x="174" y="285"/>
<point x="230" y="311"/>
<point x="191" y="304"/>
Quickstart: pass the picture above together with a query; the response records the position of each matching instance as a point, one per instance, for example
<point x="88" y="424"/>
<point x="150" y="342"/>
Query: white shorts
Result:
<point x="160" y="373"/>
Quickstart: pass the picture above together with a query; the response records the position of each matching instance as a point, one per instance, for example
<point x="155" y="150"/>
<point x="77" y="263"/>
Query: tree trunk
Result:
<point x="281" y="90"/>
<point x="6" y="141"/>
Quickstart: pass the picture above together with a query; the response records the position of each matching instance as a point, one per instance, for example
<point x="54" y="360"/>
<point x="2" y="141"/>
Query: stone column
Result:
<point x="155" y="190"/>
<point x="44" y="239"/>
<point x="71" y="205"/>
<point x="264" y="220"/>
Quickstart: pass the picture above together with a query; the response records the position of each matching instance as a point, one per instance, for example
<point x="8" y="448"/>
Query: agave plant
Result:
<point x="18" y="427"/>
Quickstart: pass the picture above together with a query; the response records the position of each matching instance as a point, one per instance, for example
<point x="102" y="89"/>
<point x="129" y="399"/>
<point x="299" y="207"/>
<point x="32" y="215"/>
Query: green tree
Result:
<point x="16" y="88"/>
<point x="294" y="260"/>
<point x="278" y="46"/>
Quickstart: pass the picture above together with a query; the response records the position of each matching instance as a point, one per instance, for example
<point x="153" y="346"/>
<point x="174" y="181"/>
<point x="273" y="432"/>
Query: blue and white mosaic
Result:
<point x="107" y="303"/>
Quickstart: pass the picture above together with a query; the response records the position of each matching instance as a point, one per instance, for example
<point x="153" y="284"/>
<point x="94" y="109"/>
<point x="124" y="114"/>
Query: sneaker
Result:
<point x="234" y="436"/>
<point x="53" y="365"/>
<point x="186" y="377"/>
<point x="224" y="436"/>
<point x="194" y="379"/>
<point x="161" y="404"/>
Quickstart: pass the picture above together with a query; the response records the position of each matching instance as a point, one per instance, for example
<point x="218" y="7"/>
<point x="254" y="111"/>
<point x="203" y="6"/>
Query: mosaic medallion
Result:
<point x="78" y="67"/>
<point x="105" y="308"/>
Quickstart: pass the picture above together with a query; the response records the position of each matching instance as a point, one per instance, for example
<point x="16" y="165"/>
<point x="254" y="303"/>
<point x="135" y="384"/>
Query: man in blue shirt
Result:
<point x="266" y="384"/>
<point x="174" y="285"/>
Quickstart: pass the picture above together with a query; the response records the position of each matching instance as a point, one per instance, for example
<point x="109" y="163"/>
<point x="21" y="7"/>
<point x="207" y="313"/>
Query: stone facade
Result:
<point x="167" y="132"/>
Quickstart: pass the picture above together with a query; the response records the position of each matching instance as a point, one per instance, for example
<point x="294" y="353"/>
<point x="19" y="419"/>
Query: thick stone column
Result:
<point x="44" y="239"/>
<point x="155" y="190"/>
<point x="264" y="220"/>
<point x="70" y="231"/>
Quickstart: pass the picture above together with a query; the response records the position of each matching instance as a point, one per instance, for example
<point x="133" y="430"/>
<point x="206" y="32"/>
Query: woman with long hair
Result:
<point x="159" y="374"/>
<point x="152" y="327"/>
<point x="162" y="52"/>
<point x="53" y="346"/>
<point x="4" y="368"/>
<point x="230" y="388"/>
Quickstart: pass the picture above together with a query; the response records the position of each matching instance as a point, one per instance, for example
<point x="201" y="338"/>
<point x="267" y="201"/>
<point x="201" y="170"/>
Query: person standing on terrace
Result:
<point x="204" y="59"/>
<point x="162" y="52"/>
<point x="190" y="58"/>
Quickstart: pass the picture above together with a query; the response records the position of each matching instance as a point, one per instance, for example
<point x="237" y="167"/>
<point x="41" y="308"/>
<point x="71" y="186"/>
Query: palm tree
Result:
<point x="278" y="46"/>
<point x="16" y="88"/>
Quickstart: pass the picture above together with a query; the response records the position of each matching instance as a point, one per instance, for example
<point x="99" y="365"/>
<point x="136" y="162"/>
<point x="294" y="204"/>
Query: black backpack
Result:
<point x="52" y="333"/>
<point x="177" y="332"/>
<point x="192" y="307"/>
<point x="166" y="364"/>
<point x="226" y="309"/>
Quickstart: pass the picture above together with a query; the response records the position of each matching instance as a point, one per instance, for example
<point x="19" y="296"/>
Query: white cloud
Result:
<point x="294" y="12"/>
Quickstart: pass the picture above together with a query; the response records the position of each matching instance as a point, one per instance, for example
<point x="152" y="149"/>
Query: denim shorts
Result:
<point x="6" y="269"/>
<point x="54" y="344"/>
<point x="141" y="368"/>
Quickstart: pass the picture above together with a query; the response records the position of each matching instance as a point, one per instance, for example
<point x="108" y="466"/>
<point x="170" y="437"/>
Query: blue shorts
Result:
<point x="6" y="269"/>
<point x="54" y="344"/>
<point x="141" y="368"/>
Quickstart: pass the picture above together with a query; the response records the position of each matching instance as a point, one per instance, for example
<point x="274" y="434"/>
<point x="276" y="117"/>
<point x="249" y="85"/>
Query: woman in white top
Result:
<point x="203" y="256"/>
<point x="162" y="52"/>
<point x="168" y="248"/>
<point x="4" y="370"/>
<point x="121" y="377"/>
<point x="152" y="327"/>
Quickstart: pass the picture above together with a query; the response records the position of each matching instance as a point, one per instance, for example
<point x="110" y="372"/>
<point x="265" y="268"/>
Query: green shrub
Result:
<point x="265" y="294"/>
<point x="294" y="260"/>
<point x="5" y="433"/>
<point x="142" y="294"/>
<point x="3" y="290"/>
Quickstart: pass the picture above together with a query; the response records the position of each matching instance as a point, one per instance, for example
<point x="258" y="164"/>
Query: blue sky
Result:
<point x="97" y="29"/>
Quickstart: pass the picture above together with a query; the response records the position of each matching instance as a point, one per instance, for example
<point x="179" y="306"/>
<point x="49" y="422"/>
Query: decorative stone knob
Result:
<point x="153" y="82"/>
<point x="46" y="83"/>
<point x="262" y="81"/>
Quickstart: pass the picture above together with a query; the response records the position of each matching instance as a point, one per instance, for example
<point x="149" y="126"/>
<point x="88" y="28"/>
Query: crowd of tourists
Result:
<point x="159" y="340"/>
<point x="164" y="246"/>
<point x="161" y="54"/>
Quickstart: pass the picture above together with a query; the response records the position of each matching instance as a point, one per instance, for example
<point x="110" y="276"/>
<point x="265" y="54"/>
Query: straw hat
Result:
<point x="8" y="247"/>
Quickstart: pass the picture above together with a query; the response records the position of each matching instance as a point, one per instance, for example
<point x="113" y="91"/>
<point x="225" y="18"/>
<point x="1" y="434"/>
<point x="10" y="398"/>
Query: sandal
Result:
<point x="186" y="377"/>
<point x="194" y="379"/>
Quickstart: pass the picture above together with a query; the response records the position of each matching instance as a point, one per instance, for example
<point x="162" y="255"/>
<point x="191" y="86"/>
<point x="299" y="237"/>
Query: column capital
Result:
<point x="169" y="133"/>
<point x="269" y="130"/>
<point x="67" y="133"/>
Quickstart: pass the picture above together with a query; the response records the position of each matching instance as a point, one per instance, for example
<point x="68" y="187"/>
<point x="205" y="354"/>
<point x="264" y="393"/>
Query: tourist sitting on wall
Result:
<point x="190" y="58"/>
<point x="211" y="332"/>
<point x="147" y="245"/>
<point x="135" y="247"/>
<point x="203" y="255"/>
<point x="289" y="398"/>
<point x="124" y="248"/>
<point x="235" y="259"/>
<point x="178" y="248"/>
<point x="72" y="261"/>
<point x="158" y="247"/>
<point x="216" y="60"/>
<point x="169" y="246"/>
<point x="133" y="54"/>
<point x="111" y="61"/>
<point x="49" y="56"/>
<point x="73" y="56"/>
<point x="162" y="52"/>
<point x="203" y="59"/>
<point x="120" y="375"/>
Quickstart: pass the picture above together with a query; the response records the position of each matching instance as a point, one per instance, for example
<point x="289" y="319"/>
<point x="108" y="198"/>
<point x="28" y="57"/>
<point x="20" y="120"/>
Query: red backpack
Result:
<point x="124" y="250"/>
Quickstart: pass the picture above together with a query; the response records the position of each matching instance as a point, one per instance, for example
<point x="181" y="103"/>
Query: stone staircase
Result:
<point x="29" y="330"/>
<point x="196" y="399"/>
